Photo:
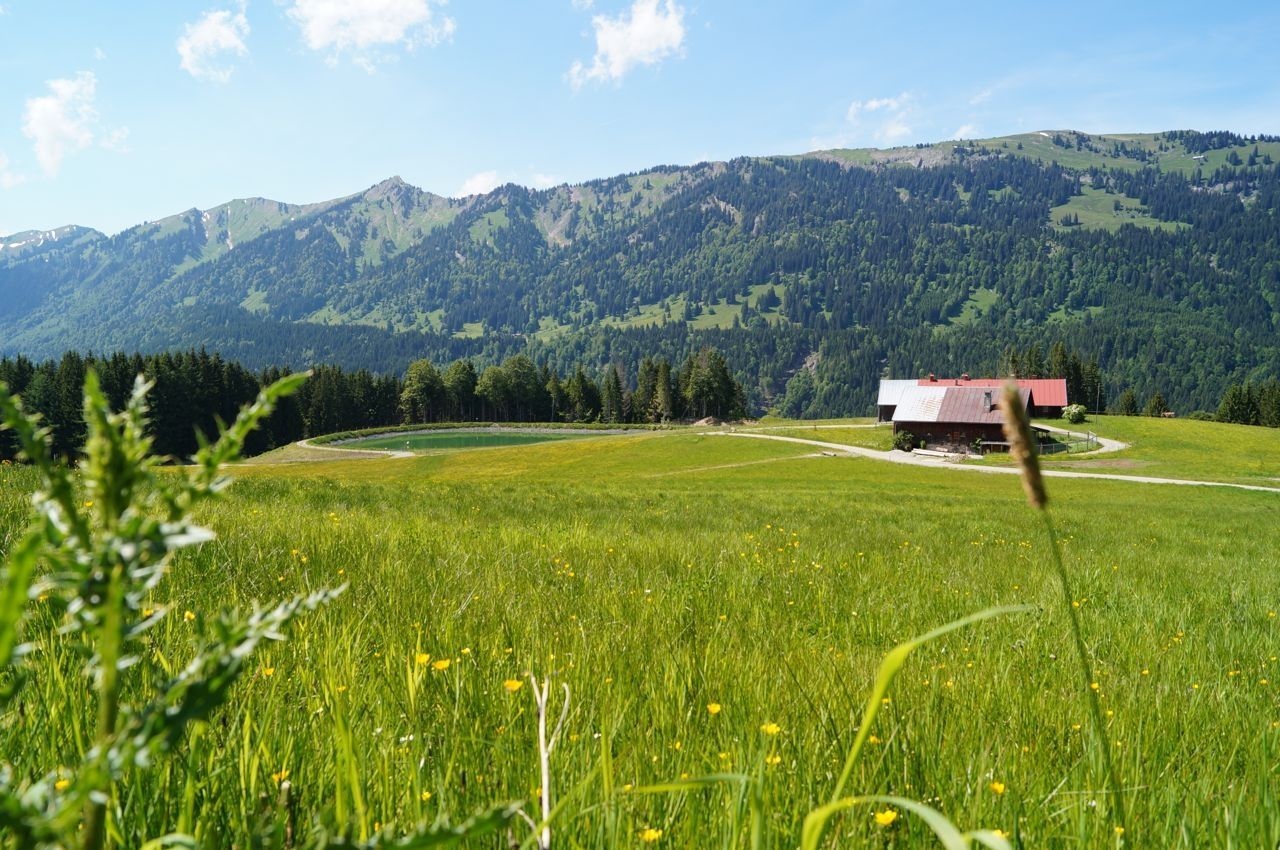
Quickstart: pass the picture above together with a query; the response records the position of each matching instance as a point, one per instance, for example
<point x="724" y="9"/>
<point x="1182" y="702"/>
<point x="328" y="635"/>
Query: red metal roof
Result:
<point x="1045" y="392"/>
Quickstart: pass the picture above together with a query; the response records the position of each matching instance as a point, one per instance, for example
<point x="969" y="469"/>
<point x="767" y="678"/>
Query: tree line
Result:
<point x="1251" y="404"/>
<point x="195" y="390"/>
<point x="520" y="391"/>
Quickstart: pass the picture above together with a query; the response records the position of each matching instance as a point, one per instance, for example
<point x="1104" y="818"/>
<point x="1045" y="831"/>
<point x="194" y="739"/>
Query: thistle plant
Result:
<point x="1017" y="430"/>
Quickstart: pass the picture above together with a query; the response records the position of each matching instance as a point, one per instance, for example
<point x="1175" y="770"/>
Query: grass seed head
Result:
<point x="1017" y="430"/>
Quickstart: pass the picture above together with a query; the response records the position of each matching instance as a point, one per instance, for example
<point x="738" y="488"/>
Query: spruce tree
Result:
<point x="1128" y="404"/>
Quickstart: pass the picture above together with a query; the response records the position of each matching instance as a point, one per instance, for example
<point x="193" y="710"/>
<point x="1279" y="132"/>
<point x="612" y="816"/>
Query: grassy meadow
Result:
<point x="716" y="606"/>
<point x="460" y="439"/>
<point x="1096" y="210"/>
<point x="1176" y="448"/>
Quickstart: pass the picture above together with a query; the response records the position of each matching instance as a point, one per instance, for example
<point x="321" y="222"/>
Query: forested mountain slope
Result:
<point x="1159" y="254"/>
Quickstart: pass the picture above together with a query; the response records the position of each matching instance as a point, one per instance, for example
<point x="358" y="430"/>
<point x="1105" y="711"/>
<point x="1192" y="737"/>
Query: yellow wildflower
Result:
<point x="421" y="658"/>
<point x="442" y="664"/>
<point x="713" y="708"/>
<point x="886" y="817"/>
<point x="426" y="795"/>
<point x="268" y="671"/>
<point x="62" y="785"/>
<point x="770" y="728"/>
<point x="997" y="787"/>
<point x="773" y="759"/>
<point x="512" y="685"/>
<point x="649" y="835"/>
<point x="188" y="616"/>
<point x="280" y="776"/>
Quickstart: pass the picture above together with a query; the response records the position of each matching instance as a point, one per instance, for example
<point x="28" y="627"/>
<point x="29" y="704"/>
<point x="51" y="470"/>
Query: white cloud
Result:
<point x="358" y="26"/>
<point x="644" y="35"/>
<point x="965" y="131"/>
<point x="61" y="122"/>
<point x="981" y="96"/>
<point x="99" y="54"/>
<point x="894" y="130"/>
<point x="204" y="44"/>
<point x="545" y="181"/>
<point x="884" y="118"/>
<point x="479" y="184"/>
<point x="876" y="104"/>
<point x="582" y="5"/>
<point x="7" y="178"/>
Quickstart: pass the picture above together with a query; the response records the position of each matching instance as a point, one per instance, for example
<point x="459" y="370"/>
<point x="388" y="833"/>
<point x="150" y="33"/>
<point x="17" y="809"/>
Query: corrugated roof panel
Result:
<point x="891" y="390"/>
<point x="920" y="404"/>
<point x="975" y="405"/>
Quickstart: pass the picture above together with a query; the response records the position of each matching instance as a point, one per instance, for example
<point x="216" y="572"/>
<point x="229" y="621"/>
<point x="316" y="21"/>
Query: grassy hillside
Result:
<point x="1172" y="448"/>
<point x="658" y="574"/>
<point x="1068" y="148"/>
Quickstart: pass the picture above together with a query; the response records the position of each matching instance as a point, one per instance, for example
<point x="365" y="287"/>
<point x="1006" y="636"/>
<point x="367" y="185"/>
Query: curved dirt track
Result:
<point x="912" y="459"/>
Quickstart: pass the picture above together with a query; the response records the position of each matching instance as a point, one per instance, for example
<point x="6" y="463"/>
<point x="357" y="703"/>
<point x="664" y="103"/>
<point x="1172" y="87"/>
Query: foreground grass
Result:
<point x="656" y="574"/>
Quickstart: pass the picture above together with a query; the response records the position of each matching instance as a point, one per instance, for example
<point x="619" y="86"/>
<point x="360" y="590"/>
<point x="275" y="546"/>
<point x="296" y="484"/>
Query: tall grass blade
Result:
<point x="889" y="669"/>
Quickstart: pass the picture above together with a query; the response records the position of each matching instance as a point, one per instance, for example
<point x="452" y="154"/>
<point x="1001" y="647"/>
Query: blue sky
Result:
<point x="115" y="113"/>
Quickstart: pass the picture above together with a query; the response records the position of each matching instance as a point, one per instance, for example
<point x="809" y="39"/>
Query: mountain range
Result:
<point x="1158" y="254"/>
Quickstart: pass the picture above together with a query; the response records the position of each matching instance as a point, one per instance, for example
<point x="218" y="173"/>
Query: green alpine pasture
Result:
<point x="717" y="607"/>
<point x="1097" y="209"/>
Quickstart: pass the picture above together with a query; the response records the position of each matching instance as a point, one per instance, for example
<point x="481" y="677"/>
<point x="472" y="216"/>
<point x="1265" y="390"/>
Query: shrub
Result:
<point x="1074" y="413"/>
<point x="903" y="441"/>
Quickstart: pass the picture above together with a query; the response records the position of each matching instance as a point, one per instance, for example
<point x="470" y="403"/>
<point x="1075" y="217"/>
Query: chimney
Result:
<point x="965" y="376"/>
<point x="986" y="399"/>
<point x="933" y="377"/>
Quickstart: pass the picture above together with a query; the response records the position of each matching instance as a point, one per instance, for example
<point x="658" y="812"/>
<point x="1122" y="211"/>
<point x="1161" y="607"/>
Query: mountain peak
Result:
<point x="393" y="185"/>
